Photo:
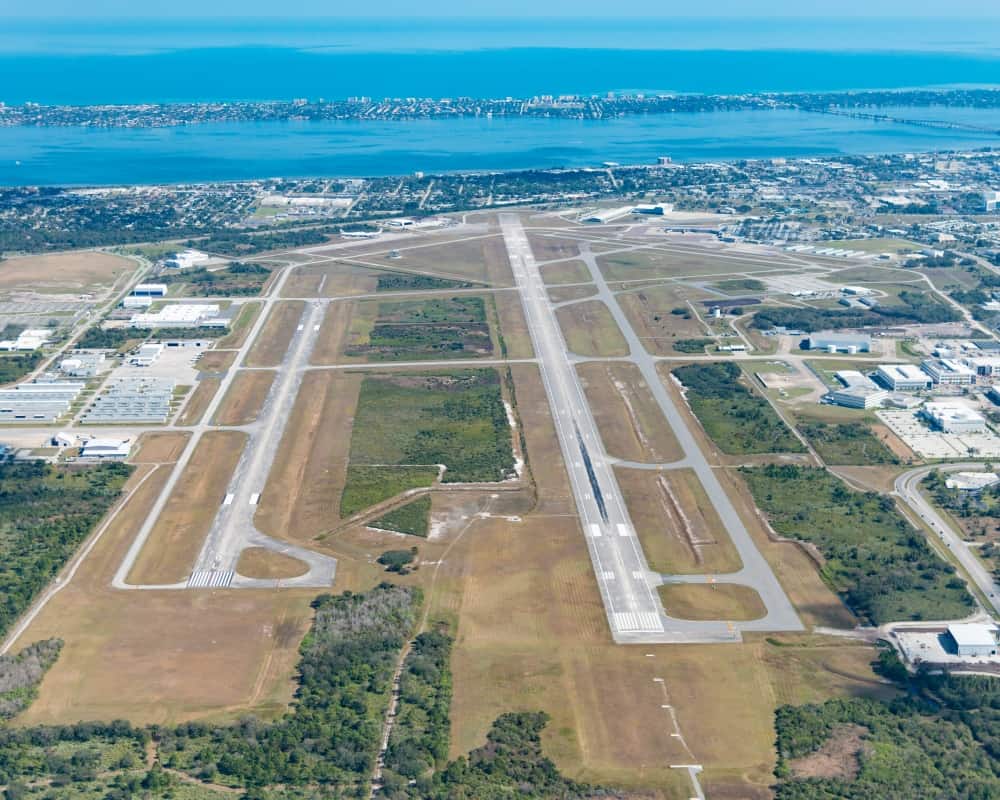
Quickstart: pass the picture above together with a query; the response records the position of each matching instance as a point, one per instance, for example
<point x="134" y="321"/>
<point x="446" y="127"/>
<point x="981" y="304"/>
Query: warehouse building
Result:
<point x="831" y="342"/>
<point x="82" y="365"/>
<point x="953" y="418"/>
<point x="181" y="315"/>
<point x="150" y="290"/>
<point x="30" y="339"/>
<point x="44" y="401"/>
<point x="105" y="449"/>
<point x="948" y="372"/>
<point x="859" y="396"/>
<point x="984" y="366"/>
<point x="146" y="355"/>
<point x="903" y="377"/>
<point x="142" y="399"/>
<point x="973" y="638"/>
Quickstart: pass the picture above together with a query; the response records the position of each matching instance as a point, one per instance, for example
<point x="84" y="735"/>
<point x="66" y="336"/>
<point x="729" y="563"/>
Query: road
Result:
<point x="627" y="585"/>
<point x="907" y="488"/>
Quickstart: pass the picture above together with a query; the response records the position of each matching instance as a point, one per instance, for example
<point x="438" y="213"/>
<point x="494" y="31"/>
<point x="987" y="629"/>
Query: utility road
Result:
<point x="907" y="488"/>
<point x="627" y="585"/>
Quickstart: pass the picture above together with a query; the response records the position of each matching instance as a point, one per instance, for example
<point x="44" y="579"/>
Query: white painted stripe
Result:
<point x="300" y="327"/>
<point x="315" y="327"/>
<point x="595" y="531"/>
<point x="229" y="500"/>
<point x="623" y="530"/>
<point x="254" y="498"/>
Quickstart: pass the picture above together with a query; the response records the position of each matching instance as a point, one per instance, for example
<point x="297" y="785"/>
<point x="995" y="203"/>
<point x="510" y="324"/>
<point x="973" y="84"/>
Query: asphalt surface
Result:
<point x="907" y="488"/>
<point x="626" y="583"/>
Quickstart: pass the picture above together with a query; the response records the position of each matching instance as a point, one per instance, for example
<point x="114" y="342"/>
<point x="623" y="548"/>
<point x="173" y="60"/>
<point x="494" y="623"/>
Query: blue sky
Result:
<point x="509" y="8"/>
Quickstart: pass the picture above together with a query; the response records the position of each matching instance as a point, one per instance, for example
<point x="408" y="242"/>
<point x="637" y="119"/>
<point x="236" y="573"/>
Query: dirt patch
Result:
<point x="631" y="423"/>
<point x="198" y="401"/>
<point x="172" y="547"/>
<point x="837" y="758"/>
<point x="663" y="315"/>
<point x="590" y="330"/>
<point x="245" y="398"/>
<point x="159" y="448"/>
<point x="87" y="269"/>
<point x="259" y="562"/>
<point x="550" y="248"/>
<point x="269" y="349"/>
<point x="712" y="601"/>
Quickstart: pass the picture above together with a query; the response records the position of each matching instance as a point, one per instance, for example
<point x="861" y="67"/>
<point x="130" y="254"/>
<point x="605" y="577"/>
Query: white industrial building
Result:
<point x="187" y="259"/>
<point x="991" y="200"/>
<point x="953" y="418"/>
<point x="82" y="365"/>
<point x="606" y="215"/>
<point x="903" y="377"/>
<point x="105" y="449"/>
<point x="30" y="339"/>
<point x="831" y="342"/>
<point x="984" y="366"/>
<point x="948" y="372"/>
<point x="656" y="209"/>
<point x="137" y="301"/>
<point x="974" y="638"/>
<point x="147" y="354"/>
<point x="150" y="290"/>
<point x="971" y="481"/>
<point x="858" y="391"/>
<point x="181" y="315"/>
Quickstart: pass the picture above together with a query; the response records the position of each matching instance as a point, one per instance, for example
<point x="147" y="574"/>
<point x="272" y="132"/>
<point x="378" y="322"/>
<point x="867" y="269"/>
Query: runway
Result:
<point x="627" y="585"/>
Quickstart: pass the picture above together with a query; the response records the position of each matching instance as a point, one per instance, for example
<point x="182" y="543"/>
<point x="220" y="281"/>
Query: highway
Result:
<point x="907" y="489"/>
<point x="626" y="583"/>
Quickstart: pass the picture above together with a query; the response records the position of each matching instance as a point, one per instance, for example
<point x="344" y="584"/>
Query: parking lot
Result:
<point x="928" y="443"/>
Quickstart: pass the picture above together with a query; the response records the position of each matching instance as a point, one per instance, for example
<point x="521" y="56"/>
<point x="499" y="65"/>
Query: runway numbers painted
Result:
<point x="229" y="500"/>
<point x="254" y="498"/>
<point x="623" y="530"/>
<point x="595" y="531"/>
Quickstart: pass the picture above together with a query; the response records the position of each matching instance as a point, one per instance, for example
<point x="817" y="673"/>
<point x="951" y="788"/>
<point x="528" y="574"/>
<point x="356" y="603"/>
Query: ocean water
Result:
<point x="75" y="156"/>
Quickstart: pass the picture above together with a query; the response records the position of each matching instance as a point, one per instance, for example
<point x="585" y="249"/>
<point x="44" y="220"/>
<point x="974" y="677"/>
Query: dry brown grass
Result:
<point x="63" y="272"/>
<point x="172" y="547"/>
<point x="531" y="634"/>
<point x="302" y="494"/>
<point x="631" y="423"/>
<point x="565" y="272"/>
<point x="241" y="326"/>
<point x="727" y="601"/>
<point x="245" y="398"/>
<point x="272" y="342"/>
<point x="513" y="325"/>
<point x="549" y="248"/>
<point x="216" y="360"/>
<point x="159" y="448"/>
<point x="564" y="294"/>
<point x="332" y="334"/>
<point x="678" y="527"/>
<point x="590" y="330"/>
<point x="198" y="401"/>
<point x="259" y="562"/>
<point x="649" y="312"/>
<point x="165" y="656"/>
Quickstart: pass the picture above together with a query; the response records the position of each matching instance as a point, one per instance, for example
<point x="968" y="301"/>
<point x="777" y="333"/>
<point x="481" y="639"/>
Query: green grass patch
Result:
<point x="367" y="486"/>
<point x="453" y="418"/>
<point x="413" y="518"/>
<point x="880" y="565"/>
<point x="691" y="345"/>
<point x="235" y="280"/>
<point x="741" y="285"/>
<point x="847" y="443"/>
<point x="739" y="421"/>
<point x="435" y="328"/>
<point x="15" y="367"/>
<point x="404" y="282"/>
